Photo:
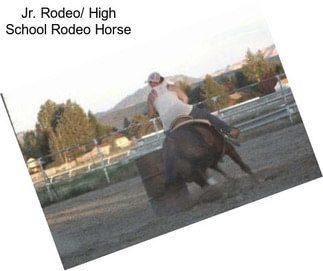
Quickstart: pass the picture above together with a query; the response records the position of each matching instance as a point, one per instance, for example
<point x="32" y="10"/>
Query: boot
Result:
<point x="234" y="133"/>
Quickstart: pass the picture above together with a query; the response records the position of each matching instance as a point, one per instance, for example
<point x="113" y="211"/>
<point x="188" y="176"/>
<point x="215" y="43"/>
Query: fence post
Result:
<point x="285" y="99"/>
<point x="101" y="160"/>
<point x="39" y="160"/>
<point x="47" y="181"/>
<point x="155" y="125"/>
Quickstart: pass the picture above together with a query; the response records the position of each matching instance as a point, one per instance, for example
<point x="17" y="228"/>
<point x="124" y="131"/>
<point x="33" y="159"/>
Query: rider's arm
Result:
<point x="151" y="109"/>
<point x="180" y="93"/>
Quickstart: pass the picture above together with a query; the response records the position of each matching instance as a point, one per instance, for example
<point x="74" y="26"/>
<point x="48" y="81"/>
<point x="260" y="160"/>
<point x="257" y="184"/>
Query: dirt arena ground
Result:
<point x="103" y="221"/>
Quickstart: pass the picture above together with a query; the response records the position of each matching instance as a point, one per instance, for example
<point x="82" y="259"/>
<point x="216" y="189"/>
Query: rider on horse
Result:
<point x="170" y="102"/>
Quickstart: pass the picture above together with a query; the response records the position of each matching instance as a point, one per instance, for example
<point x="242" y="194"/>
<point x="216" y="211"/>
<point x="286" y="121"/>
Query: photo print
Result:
<point x="149" y="139"/>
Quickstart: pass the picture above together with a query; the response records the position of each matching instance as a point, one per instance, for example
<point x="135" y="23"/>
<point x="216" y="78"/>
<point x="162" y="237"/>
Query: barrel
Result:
<point x="163" y="202"/>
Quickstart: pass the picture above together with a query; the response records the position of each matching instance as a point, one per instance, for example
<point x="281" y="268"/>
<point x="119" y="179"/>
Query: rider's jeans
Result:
<point x="203" y="113"/>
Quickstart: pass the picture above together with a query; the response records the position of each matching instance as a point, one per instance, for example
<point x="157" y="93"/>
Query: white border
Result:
<point x="281" y="232"/>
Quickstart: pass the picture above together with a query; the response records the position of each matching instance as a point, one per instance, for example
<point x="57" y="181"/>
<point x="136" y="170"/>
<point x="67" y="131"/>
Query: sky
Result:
<point x="98" y="83"/>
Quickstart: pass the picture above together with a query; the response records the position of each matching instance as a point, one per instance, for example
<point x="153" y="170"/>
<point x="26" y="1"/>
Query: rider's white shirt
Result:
<point x="168" y="105"/>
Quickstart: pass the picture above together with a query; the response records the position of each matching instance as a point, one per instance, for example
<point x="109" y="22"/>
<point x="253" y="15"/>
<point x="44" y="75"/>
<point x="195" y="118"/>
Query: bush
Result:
<point x="85" y="183"/>
<point x="123" y="172"/>
<point x="268" y="83"/>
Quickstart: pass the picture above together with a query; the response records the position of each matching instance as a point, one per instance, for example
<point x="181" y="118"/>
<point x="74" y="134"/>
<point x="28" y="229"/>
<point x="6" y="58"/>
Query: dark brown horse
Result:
<point x="192" y="148"/>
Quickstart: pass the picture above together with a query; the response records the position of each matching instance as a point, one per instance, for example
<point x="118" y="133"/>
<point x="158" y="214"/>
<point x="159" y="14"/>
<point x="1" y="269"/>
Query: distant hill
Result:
<point x="133" y="104"/>
<point x="115" y="118"/>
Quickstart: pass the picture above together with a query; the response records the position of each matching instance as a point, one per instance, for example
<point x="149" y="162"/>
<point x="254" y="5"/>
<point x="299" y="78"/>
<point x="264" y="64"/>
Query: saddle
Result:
<point x="182" y="120"/>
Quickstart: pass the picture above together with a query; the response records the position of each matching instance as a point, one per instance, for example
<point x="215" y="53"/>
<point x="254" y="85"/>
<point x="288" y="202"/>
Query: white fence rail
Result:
<point x="248" y="115"/>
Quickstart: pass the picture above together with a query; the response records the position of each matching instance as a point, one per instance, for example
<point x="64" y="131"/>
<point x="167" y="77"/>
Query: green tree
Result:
<point x="99" y="128"/>
<point x="255" y="66"/>
<point x="140" y="126"/>
<point x="195" y="95"/>
<point x="227" y="82"/>
<point x="73" y="128"/>
<point x="278" y="68"/>
<point x="240" y="79"/>
<point x="61" y="126"/>
<point x="126" y="122"/>
<point x="30" y="146"/>
<point x="47" y="119"/>
<point x="35" y="144"/>
<point x="210" y="89"/>
<point x="43" y="142"/>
